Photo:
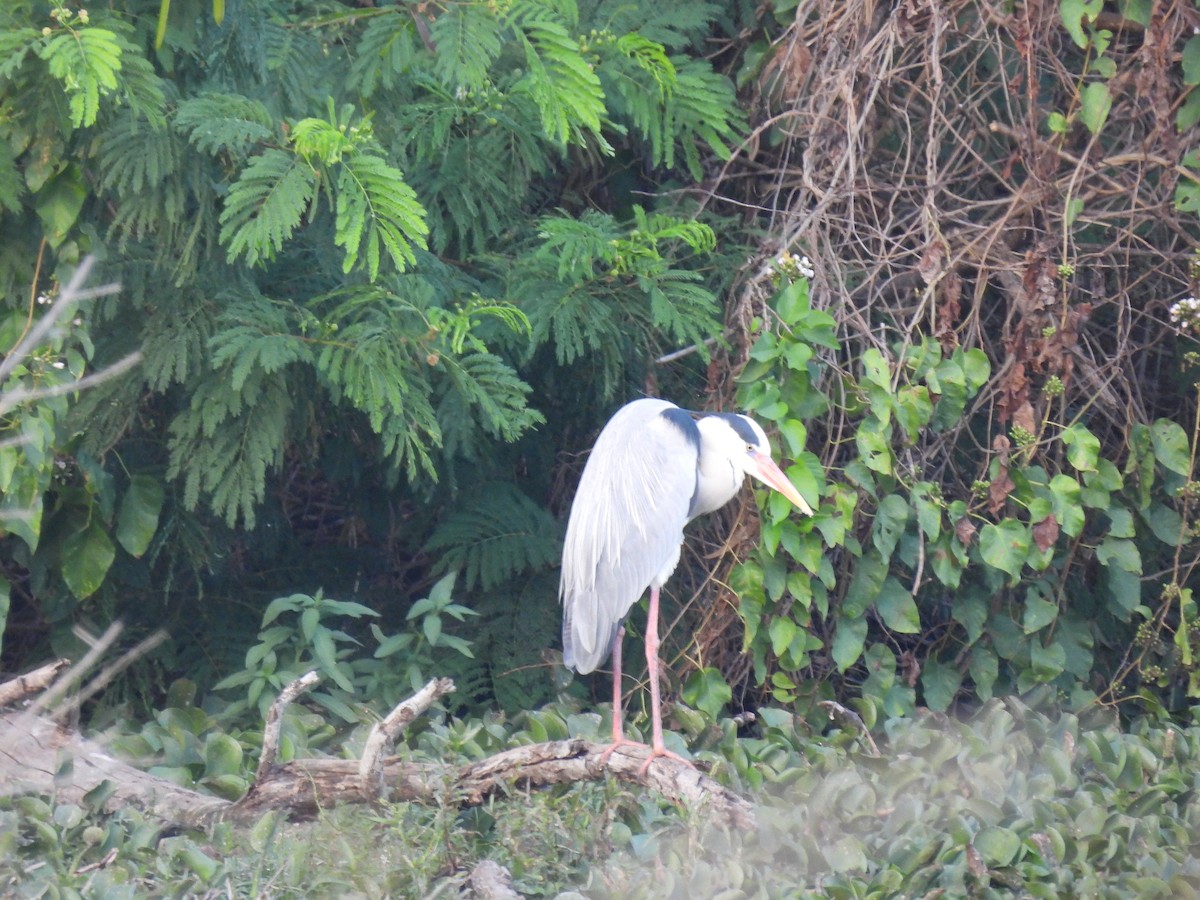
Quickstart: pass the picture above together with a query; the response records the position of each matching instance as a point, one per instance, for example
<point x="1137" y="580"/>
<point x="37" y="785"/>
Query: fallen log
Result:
<point x="39" y="755"/>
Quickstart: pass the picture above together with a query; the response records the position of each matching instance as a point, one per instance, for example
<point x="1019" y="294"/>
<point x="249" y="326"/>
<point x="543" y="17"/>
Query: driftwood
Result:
<point x="38" y="755"/>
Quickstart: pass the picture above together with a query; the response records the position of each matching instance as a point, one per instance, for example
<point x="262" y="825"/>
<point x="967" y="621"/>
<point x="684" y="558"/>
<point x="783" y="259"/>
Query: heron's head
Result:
<point x="742" y="440"/>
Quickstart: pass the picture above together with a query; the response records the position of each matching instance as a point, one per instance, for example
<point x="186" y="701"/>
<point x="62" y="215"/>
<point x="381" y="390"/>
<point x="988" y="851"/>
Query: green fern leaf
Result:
<point x="493" y="392"/>
<point x="256" y="337"/>
<point x="226" y="440"/>
<point x="265" y="205"/>
<point x="702" y="109"/>
<point x="374" y="372"/>
<point x="499" y="535"/>
<point x="467" y="38"/>
<point x="671" y="23"/>
<point x="385" y="51"/>
<point x="85" y="61"/>
<point x="144" y="92"/>
<point x="175" y="346"/>
<point x="133" y="158"/>
<point x="562" y="84"/>
<point x="224" y="123"/>
<point x="580" y="244"/>
<point x="377" y="211"/>
<point x="12" y="185"/>
<point x="681" y="308"/>
<point x="15" y="45"/>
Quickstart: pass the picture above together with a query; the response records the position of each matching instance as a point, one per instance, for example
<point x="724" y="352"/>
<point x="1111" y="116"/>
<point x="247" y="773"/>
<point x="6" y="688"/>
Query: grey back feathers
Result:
<point x="640" y="487"/>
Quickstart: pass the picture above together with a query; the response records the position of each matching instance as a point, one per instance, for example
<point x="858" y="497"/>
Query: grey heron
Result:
<point x="653" y="469"/>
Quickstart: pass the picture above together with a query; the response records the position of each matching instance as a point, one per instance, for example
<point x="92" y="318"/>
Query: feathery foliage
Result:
<point x="345" y="247"/>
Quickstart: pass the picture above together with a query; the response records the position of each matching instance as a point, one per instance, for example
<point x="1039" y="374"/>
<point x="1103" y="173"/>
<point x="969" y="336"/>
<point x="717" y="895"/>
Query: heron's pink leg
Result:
<point x="657" y="747"/>
<point x="618" y="713"/>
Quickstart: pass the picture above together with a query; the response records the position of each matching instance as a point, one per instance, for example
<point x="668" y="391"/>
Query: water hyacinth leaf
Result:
<point x="998" y="846"/>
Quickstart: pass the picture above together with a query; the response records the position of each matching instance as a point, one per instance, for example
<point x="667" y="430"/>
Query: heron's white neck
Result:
<point x="719" y="473"/>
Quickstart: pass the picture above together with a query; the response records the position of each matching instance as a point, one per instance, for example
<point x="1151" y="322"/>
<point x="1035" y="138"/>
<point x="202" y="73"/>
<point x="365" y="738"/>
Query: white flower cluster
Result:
<point x="1185" y="314"/>
<point x="794" y="265"/>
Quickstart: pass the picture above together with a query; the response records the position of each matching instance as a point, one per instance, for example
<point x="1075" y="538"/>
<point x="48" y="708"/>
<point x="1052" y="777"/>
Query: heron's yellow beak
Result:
<point x="772" y="476"/>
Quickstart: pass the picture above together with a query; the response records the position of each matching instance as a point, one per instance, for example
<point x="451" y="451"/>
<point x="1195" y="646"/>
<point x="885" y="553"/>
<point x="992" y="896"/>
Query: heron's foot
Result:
<point x="617" y="742"/>
<point x="659" y="751"/>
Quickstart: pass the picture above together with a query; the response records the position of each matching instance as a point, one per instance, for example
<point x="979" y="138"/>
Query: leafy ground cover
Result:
<point x="1011" y="801"/>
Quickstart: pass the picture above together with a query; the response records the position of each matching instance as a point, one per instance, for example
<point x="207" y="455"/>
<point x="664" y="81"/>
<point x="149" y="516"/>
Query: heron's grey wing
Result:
<point x="626" y="523"/>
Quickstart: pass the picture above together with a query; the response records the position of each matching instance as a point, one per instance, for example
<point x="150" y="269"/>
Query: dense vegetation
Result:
<point x="389" y="267"/>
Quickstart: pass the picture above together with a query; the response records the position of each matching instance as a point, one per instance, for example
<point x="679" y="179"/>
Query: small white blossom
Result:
<point x="1185" y="314"/>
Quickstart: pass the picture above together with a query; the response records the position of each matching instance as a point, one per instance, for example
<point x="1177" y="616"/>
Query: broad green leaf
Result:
<point x="1005" y="546"/>
<point x="977" y="368"/>
<point x="998" y="846"/>
<point x="1057" y="123"/>
<point x="137" y="518"/>
<point x="283" y="604"/>
<point x="1096" y="103"/>
<point x="865" y="585"/>
<point x="439" y="594"/>
<point x="971" y="612"/>
<point x="1075" y="13"/>
<point x="59" y="203"/>
<point x="984" y="669"/>
<point x="782" y="631"/>
<point x="897" y="608"/>
<point x="1083" y="447"/>
<point x="1048" y="661"/>
<point x="310" y="619"/>
<point x="845" y="854"/>
<point x="848" y="642"/>
<point x="875" y="369"/>
<point x="940" y="683"/>
<point x="1039" y="612"/>
<point x="872" y="443"/>
<point x="432" y="626"/>
<point x="890" y="520"/>
<point x="1067" y="505"/>
<point x="1123" y="553"/>
<point x="1171" y="448"/>
<point x="1191" y="60"/>
<point x="222" y="755"/>
<point x="708" y="692"/>
<point x="1164" y="521"/>
<point x="86" y="558"/>
<point x="1120" y="523"/>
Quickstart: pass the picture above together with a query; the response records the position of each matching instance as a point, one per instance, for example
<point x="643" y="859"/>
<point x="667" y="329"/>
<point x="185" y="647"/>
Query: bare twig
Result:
<point x="384" y="732"/>
<point x="274" y="724"/>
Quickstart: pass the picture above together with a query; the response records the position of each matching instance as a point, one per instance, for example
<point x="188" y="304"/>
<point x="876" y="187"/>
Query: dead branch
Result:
<point x="31" y="683"/>
<point x="274" y="724"/>
<point x="384" y="733"/>
<point x="33" y="747"/>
